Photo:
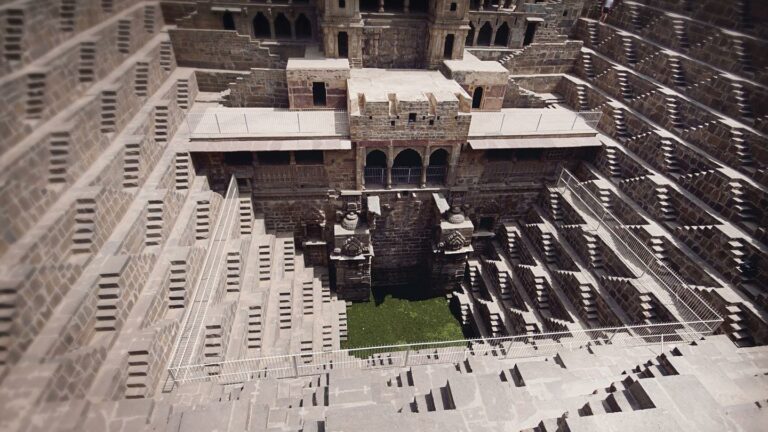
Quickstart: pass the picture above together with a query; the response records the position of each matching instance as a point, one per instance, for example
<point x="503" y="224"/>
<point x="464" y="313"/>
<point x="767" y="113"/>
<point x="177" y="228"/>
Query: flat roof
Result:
<point x="525" y="122"/>
<point x="317" y="63"/>
<point x="541" y="142"/>
<point x="407" y="85"/>
<point x="268" y="145"/>
<point x="220" y="123"/>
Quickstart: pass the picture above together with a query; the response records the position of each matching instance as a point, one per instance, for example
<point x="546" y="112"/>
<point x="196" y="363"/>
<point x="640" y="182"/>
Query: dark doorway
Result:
<point x="282" y="27"/>
<point x="502" y="35"/>
<point x="530" y="31"/>
<point x="394" y="5"/>
<point x="470" y="35"/>
<point x="486" y="223"/>
<point x="228" y="21"/>
<point x="303" y="27"/>
<point x="484" y="37"/>
<point x="448" y="47"/>
<point x="318" y="93"/>
<point x="477" y="98"/>
<point x="369" y="5"/>
<point x="343" y="44"/>
<point x="419" y="6"/>
<point x="261" y="26"/>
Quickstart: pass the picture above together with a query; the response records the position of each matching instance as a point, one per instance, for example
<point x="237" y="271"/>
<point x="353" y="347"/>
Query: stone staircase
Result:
<point x="153" y="235"/>
<point x="85" y="225"/>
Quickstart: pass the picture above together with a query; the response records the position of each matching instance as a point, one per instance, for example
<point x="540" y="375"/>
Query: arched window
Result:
<point x="438" y="157"/>
<point x="407" y="158"/>
<point x="303" y="27"/>
<point x="484" y="37"/>
<point x="470" y="35"/>
<point x="228" y="21"/>
<point x="376" y="158"/>
<point x="406" y="168"/>
<point x="438" y="166"/>
<point x="261" y="26"/>
<point x="477" y="98"/>
<point x="448" y="47"/>
<point x="376" y="168"/>
<point x="343" y="44"/>
<point x="502" y="35"/>
<point x="282" y="27"/>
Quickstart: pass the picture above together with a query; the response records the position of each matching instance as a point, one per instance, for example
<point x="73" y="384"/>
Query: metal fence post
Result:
<point x="662" y="343"/>
<point x="216" y="116"/>
<point x="295" y="366"/>
<point x="407" y="354"/>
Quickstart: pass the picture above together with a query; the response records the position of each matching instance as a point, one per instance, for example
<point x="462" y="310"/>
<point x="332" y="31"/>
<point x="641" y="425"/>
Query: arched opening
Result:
<point x="303" y="27"/>
<point x="530" y="32"/>
<point x="376" y="168"/>
<point x="261" y="26"/>
<point x="394" y="5"/>
<point x="343" y="44"/>
<point x="406" y="168"/>
<point x="438" y="167"/>
<point x="228" y="21"/>
<point x="470" y="35"/>
<point x="484" y="37"/>
<point x="282" y="27"/>
<point x="369" y="5"/>
<point x="419" y="6"/>
<point x="448" y="47"/>
<point x="502" y="35"/>
<point x="477" y="98"/>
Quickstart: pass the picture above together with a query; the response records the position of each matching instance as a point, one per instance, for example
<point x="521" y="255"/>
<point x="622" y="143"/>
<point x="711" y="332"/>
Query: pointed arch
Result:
<point x="303" y="27"/>
<point x="484" y="36"/>
<point x="502" y="35"/>
<point x="407" y="158"/>
<point x="470" y="35"/>
<point x="282" y="27"/>
<point x="261" y="26"/>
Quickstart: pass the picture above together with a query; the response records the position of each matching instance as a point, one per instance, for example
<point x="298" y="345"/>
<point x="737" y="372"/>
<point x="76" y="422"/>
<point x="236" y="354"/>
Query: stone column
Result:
<point x="474" y="37"/>
<point x="482" y="5"/>
<point x="424" y="165"/>
<point x="381" y="5"/>
<point x="293" y="30"/>
<point x="272" y="28"/>
<point x="390" y="161"/>
<point x="406" y="6"/>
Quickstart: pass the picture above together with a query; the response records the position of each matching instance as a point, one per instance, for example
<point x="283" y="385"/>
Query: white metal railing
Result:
<point x="187" y="344"/>
<point x="267" y="122"/>
<point x="520" y="121"/>
<point x="508" y="347"/>
<point x="691" y="307"/>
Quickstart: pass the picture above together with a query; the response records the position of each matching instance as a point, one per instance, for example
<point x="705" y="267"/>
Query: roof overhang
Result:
<point x="525" y="143"/>
<point x="268" y="145"/>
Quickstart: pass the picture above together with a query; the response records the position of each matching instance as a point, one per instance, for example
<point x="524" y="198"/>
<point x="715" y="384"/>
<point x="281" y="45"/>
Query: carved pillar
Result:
<point x="381" y="5"/>
<point x="406" y="6"/>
